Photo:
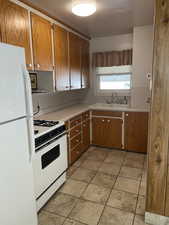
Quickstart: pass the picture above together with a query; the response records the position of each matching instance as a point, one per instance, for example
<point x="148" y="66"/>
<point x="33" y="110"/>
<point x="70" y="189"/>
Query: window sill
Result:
<point x="109" y="93"/>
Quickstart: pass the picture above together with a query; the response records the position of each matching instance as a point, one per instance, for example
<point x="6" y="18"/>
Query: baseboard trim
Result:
<point x="155" y="219"/>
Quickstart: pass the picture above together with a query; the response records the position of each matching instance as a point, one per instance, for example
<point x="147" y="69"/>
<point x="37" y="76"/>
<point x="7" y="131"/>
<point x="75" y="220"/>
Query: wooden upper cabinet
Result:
<point x="42" y="43"/>
<point x="136" y="131"/>
<point x="85" y="69"/>
<point x="75" y="60"/>
<point x="61" y="58"/>
<point x="15" y="27"/>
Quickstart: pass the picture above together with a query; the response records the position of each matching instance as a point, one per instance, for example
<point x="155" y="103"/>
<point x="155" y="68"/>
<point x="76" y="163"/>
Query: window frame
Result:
<point x="104" y="92"/>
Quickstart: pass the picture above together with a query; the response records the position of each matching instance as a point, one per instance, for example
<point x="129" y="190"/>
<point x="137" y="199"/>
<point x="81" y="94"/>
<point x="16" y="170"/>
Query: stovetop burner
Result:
<point x="45" y="123"/>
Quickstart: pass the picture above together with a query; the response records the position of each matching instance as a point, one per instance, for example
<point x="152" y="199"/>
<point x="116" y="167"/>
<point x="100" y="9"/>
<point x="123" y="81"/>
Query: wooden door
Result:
<point x="136" y="131"/>
<point x="15" y="28"/>
<point x="61" y="59"/>
<point x="85" y="70"/>
<point x="42" y="43"/>
<point x="75" y="61"/>
<point x="85" y="135"/>
<point x="158" y="148"/>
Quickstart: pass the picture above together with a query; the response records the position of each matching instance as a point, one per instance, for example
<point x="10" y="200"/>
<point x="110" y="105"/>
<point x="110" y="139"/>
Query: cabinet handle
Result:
<point x="77" y="140"/>
<point x="102" y="120"/>
<point x="127" y="114"/>
<point x="38" y="66"/>
<point x="29" y="65"/>
<point x="108" y="121"/>
<point x="84" y="125"/>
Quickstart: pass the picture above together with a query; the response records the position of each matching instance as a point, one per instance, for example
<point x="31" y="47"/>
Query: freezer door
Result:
<point x="12" y="88"/>
<point x="16" y="183"/>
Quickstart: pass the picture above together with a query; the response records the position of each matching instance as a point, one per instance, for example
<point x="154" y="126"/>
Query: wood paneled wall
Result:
<point x="157" y="185"/>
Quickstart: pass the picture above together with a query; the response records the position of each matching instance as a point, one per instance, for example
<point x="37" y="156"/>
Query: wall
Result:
<point x="58" y="100"/>
<point x="142" y="65"/>
<point x="115" y="42"/>
<point x="141" y="41"/>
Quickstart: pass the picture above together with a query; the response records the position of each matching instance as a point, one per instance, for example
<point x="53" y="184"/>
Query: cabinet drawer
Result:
<point x="86" y="115"/>
<point x="75" y="121"/>
<point x="76" y="130"/>
<point x="106" y="113"/>
<point x="74" y="155"/>
<point x="75" y="141"/>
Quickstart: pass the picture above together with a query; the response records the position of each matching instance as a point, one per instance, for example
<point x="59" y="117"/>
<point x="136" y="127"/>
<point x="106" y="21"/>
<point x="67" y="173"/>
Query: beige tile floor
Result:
<point x="104" y="187"/>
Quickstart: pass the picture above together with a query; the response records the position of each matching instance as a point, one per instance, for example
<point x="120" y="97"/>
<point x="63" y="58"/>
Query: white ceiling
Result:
<point x="111" y="17"/>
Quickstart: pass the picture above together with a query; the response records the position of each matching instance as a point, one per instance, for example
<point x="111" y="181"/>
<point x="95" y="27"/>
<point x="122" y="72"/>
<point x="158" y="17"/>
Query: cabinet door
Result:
<point x="113" y="133"/>
<point x="61" y="59"/>
<point x="85" y="135"/>
<point x="99" y="131"/>
<point x="42" y="43"/>
<point x="15" y="28"/>
<point x="107" y="132"/>
<point x="85" y="63"/>
<point x="136" y="131"/>
<point x="75" y="61"/>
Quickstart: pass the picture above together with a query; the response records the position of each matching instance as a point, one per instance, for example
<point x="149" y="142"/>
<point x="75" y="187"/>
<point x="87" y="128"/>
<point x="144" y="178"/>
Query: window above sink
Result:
<point x="113" y="79"/>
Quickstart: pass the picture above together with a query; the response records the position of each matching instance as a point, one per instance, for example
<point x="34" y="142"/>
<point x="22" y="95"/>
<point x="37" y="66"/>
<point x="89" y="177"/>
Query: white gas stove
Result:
<point x="50" y="159"/>
<point x="44" y="126"/>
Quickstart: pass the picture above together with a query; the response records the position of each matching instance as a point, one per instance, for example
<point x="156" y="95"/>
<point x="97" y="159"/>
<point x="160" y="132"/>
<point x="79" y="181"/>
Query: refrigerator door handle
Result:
<point x="28" y="92"/>
<point x="29" y="109"/>
<point x="31" y="137"/>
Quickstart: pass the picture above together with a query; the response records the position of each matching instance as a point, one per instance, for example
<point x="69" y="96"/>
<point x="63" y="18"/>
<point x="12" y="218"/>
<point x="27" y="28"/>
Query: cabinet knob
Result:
<point x="108" y="121"/>
<point x="77" y="131"/>
<point x="102" y="120"/>
<point x="84" y="125"/>
<point x="38" y="65"/>
<point x="77" y="140"/>
<point x="29" y="65"/>
<point x="127" y="114"/>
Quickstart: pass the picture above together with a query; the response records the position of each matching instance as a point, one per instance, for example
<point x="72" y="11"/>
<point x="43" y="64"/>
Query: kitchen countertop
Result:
<point x="68" y="113"/>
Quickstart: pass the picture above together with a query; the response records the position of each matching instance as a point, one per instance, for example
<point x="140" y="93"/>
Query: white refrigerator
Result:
<point x="17" y="198"/>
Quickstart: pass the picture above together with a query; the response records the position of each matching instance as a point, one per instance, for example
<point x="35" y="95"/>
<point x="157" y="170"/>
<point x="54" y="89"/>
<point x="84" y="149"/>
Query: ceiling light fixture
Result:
<point x="83" y="7"/>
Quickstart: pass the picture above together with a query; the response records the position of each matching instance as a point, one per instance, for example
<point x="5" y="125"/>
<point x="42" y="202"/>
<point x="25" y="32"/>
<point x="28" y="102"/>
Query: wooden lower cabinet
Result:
<point x="107" y="132"/>
<point x="75" y="154"/>
<point x="85" y="135"/>
<point x="79" y="136"/>
<point x="136" y="131"/>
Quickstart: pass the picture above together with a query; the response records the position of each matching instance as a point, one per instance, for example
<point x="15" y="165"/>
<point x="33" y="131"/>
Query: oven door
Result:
<point x="49" y="163"/>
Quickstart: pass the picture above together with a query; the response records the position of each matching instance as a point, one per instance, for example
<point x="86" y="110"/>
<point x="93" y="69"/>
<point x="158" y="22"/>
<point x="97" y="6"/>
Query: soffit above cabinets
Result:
<point x="111" y="17"/>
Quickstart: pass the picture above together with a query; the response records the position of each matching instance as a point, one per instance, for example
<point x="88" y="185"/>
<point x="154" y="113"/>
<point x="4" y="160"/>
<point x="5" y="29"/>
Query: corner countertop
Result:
<point x="70" y="112"/>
